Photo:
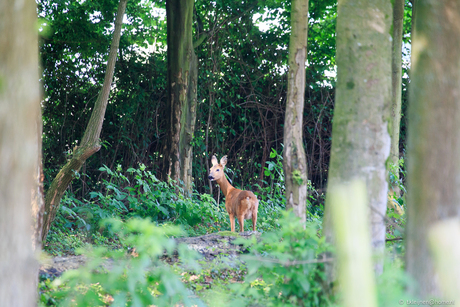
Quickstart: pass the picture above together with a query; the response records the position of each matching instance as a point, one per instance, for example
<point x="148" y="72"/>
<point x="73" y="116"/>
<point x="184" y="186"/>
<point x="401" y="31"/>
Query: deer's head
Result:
<point x="217" y="170"/>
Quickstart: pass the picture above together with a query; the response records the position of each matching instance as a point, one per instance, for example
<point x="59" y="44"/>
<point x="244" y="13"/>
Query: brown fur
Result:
<point x="240" y="204"/>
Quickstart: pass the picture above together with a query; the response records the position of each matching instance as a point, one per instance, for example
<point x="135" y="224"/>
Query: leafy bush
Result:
<point x="274" y="191"/>
<point x="136" y="279"/>
<point x="285" y="268"/>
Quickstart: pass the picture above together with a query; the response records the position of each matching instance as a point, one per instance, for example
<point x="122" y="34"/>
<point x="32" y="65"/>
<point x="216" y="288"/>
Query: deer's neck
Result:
<point x="225" y="186"/>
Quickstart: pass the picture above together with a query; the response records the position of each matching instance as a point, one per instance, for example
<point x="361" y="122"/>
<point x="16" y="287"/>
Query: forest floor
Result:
<point x="209" y="246"/>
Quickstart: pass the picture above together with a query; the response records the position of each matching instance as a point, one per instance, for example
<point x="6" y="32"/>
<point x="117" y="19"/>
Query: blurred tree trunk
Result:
<point x="434" y="130"/>
<point x="414" y="17"/>
<point x="350" y="215"/>
<point x="19" y="111"/>
<point x="360" y="139"/>
<point x="90" y="141"/>
<point x="182" y="86"/>
<point x="443" y="238"/>
<point x="396" y="80"/>
<point x="294" y="160"/>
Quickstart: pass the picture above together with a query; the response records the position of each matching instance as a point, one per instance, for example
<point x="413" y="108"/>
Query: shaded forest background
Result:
<point x="242" y="86"/>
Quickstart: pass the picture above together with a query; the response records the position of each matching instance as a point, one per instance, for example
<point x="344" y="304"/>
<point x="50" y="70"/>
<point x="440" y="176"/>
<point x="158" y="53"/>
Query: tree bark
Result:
<point x="90" y="141"/>
<point x="38" y="204"/>
<point x="294" y="160"/>
<point x="182" y="85"/>
<point x="360" y="139"/>
<point x="19" y="111"/>
<point x="396" y="80"/>
<point x="434" y="129"/>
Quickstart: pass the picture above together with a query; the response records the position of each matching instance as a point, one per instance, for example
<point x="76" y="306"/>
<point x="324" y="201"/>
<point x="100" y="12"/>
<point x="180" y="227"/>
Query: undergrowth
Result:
<point x="280" y="274"/>
<point x="137" y="192"/>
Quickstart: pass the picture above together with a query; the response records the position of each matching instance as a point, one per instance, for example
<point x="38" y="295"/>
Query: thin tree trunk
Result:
<point x="434" y="129"/>
<point x="295" y="162"/>
<point x="90" y="141"/>
<point x="396" y="80"/>
<point x="360" y="139"/>
<point x="38" y="203"/>
<point x="19" y="111"/>
<point x="182" y="85"/>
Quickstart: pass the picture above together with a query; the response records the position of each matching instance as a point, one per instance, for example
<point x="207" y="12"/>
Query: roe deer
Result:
<point x="242" y="204"/>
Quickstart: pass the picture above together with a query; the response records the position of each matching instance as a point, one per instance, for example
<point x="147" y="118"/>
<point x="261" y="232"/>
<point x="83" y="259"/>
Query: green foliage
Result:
<point x="285" y="267"/>
<point x="62" y="242"/>
<point x="240" y="85"/>
<point x="397" y="212"/>
<point x="398" y="174"/>
<point x="274" y="189"/>
<point x="394" y="283"/>
<point x="138" y="193"/>
<point x="136" y="279"/>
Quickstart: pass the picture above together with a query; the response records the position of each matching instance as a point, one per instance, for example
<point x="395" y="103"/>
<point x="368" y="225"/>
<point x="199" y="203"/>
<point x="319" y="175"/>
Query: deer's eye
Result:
<point x="217" y="170"/>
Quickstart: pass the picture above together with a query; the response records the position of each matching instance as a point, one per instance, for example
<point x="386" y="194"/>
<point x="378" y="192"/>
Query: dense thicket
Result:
<point x="241" y="86"/>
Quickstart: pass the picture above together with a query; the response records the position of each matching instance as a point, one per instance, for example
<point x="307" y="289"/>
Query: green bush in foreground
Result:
<point x="285" y="268"/>
<point x="138" y="278"/>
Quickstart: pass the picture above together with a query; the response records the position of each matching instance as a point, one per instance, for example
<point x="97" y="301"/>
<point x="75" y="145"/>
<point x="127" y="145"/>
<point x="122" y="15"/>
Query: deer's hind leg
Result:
<point x="254" y="220"/>
<point x="232" y="222"/>
<point x="241" y="221"/>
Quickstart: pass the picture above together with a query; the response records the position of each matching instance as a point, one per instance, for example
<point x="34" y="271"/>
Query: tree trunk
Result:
<point x="182" y="85"/>
<point x="19" y="111"/>
<point x="434" y="130"/>
<point x="294" y="160"/>
<point x="443" y="240"/>
<point x="360" y="139"/>
<point x="90" y="141"/>
<point x="396" y="80"/>
<point x="38" y="204"/>
<point x="350" y="215"/>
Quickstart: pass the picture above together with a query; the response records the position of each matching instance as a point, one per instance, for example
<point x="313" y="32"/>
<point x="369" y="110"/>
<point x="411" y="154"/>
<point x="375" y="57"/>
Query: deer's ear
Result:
<point x="223" y="161"/>
<point x="214" y="160"/>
